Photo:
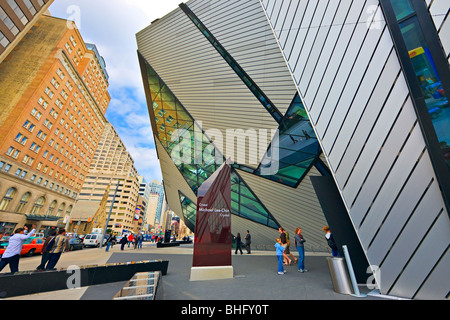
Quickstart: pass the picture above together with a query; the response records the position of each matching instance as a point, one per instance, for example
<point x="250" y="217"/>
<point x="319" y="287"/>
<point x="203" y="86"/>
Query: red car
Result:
<point x="31" y="246"/>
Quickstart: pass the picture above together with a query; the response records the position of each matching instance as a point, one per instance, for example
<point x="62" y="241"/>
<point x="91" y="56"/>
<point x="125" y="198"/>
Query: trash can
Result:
<point x="339" y="275"/>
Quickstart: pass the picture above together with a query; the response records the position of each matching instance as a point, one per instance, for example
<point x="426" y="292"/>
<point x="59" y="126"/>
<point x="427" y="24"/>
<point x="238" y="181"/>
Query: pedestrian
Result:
<point x="109" y="243"/>
<point x="330" y="241"/>
<point x="248" y="241"/>
<point x="299" y="241"/>
<point x="48" y="243"/>
<point x="280" y="250"/>
<point x="60" y="245"/>
<point x="113" y="240"/>
<point x="287" y="249"/>
<point x="283" y="239"/>
<point x="11" y="255"/>
<point x="136" y="240"/>
<point x="141" y="239"/>
<point x="238" y="243"/>
<point x="130" y="239"/>
<point x="123" y="241"/>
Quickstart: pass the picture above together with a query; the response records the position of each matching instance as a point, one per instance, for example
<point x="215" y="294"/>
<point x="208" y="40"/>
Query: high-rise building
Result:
<point x="156" y="201"/>
<point x="112" y="166"/>
<point x="144" y="188"/>
<point x="144" y="194"/>
<point x="53" y="97"/>
<point x="16" y="19"/>
<point x="358" y="93"/>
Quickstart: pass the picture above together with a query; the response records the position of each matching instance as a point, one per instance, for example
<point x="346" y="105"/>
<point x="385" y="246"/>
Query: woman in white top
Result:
<point x="12" y="252"/>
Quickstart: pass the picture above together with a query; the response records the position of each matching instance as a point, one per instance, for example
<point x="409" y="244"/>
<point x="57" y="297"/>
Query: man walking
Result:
<point x="60" y="245"/>
<point x="48" y="244"/>
<point x="123" y="241"/>
<point x="11" y="255"/>
<point x="248" y="241"/>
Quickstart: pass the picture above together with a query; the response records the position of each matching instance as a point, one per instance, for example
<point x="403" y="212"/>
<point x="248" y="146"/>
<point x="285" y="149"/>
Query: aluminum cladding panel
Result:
<point x="201" y="79"/>
<point x="344" y="64"/>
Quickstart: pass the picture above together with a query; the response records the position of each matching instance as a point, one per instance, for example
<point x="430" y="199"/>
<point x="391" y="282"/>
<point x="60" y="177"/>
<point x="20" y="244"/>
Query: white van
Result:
<point x="92" y="240"/>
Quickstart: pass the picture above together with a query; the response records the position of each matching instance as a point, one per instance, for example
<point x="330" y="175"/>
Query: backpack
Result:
<point x="50" y="245"/>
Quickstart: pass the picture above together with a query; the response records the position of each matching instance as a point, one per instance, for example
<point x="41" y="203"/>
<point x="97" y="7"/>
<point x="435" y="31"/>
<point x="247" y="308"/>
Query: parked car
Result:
<point x="30" y="247"/>
<point x="75" y="243"/>
<point x="92" y="240"/>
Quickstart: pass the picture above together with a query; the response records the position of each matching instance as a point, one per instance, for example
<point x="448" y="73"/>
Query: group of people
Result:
<point x="248" y="241"/>
<point x="136" y="240"/>
<point x="283" y="252"/>
<point x="54" y="245"/>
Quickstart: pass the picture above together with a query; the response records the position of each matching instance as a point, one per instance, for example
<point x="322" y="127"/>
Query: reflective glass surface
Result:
<point x="195" y="155"/>
<point x="402" y="8"/>
<point x="189" y="209"/>
<point x="430" y="83"/>
<point x="294" y="149"/>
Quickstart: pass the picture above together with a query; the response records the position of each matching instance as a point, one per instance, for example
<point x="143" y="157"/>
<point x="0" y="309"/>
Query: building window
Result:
<point x="8" y="22"/>
<point x="51" y="208"/>
<point x="12" y="152"/>
<point x="35" y="113"/>
<point x="29" y="126"/>
<point x="20" y="138"/>
<point x="7" y="168"/>
<point x="9" y="196"/>
<point x="30" y="7"/>
<point x="23" y="202"/>
<point x="61" y="209"/>
<point x="18" y="11"/>
<point x="21" y="173"/>
<point x="37" y="207"/>
<point x="3" y="40"/>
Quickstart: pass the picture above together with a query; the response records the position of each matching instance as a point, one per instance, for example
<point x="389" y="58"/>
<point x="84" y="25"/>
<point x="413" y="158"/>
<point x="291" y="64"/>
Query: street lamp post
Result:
<point x="110" y="210"/>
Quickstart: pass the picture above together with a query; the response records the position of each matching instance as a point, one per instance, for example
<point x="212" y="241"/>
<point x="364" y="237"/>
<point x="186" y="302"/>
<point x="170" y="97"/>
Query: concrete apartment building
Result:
<point x="53" y="97"/>
<point x="112" y="166"/>
<point x="16" y="19"/>
<point x="144" y="196"/>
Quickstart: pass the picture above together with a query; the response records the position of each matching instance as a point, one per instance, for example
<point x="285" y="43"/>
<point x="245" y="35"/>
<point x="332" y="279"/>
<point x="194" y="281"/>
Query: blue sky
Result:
<point x="112" y="25"/>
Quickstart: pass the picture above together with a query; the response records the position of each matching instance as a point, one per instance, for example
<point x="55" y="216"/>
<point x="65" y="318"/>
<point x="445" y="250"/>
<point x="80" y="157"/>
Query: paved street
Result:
<point x="255" y="277"/>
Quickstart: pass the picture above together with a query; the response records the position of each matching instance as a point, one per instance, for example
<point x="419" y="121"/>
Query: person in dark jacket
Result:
<point x="299" y="241"/>
<point x="248" y="241"/>
<point x="45" y="250"/>
<point x="238" y="243"/>
<point x="123" y="241"/>
<point x="330" y="241"/>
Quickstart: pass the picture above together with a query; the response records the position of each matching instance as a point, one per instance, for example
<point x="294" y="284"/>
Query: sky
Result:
<point x="112" y="25"/>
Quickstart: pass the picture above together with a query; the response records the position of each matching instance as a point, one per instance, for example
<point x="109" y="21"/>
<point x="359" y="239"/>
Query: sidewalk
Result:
<point x="255" y="277"/>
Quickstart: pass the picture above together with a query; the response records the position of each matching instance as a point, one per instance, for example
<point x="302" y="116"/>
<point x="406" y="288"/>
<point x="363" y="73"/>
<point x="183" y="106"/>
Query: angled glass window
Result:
<point x="427" y="74"/>
<point x="293" y="150"/>
<point x="189" y="210"/>
<point x="194" y="154"/>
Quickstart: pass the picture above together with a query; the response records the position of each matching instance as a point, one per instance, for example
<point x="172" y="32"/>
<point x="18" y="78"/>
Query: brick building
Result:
<point x="53" y="99"/>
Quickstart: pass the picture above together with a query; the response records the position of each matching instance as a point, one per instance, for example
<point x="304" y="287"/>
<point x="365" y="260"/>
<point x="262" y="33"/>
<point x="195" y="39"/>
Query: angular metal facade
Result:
<point x="219" y="80"/>
<point x="341" y="64"/>
<point x="349" y="74"/>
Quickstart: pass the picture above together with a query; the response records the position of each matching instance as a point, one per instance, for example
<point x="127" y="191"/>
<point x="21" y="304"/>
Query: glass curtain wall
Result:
<point x="194" y="154"/>
<point x="426" y="72"/>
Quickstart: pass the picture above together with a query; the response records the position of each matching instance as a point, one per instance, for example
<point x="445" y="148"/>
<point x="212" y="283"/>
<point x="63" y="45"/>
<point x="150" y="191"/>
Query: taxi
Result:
<point x="31" y="246"/>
